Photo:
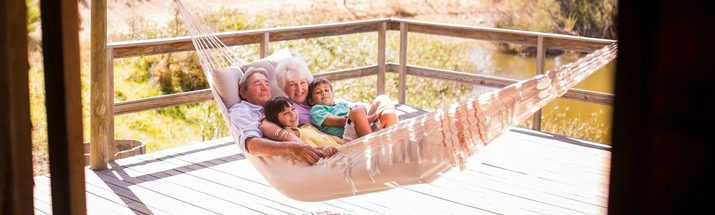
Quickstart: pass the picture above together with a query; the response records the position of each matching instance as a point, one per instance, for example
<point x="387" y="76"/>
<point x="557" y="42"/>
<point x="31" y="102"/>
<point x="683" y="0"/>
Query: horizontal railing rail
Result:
<point x="158" y="102"/>
<point x="263" y="37"/>
<point x="245" y="37"/>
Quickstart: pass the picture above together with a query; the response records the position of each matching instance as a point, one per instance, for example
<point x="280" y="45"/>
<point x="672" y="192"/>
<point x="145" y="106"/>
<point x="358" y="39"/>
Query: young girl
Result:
<point x="280" y="111"/>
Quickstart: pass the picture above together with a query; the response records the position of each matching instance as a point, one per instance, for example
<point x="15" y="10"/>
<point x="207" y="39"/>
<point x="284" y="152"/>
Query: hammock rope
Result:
<point x="413" y="151"/>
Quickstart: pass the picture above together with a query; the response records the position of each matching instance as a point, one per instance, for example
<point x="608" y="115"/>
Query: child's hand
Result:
<point x="347" y="139"/>
<point x="328" y="150"/>
<point x="375" y="116"/>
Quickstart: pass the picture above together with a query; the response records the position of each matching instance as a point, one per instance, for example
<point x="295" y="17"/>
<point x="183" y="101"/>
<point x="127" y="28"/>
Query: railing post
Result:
<point x="402" y="81"/>
<point x="381" y="38"/>
<point x="265" y="45"/>
<point x="540" y="61"/>
<point x="100" y="115"/>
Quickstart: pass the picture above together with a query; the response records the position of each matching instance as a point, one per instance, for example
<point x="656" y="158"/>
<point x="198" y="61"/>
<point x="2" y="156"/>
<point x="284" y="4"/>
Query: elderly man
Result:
<point x="254" y="91"/>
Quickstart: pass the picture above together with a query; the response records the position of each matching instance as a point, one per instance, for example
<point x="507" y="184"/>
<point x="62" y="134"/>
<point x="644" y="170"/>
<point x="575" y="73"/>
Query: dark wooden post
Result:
<point x="60" y="27"/>
<point x="101" y="138"/>
<point x="15" y="126"/>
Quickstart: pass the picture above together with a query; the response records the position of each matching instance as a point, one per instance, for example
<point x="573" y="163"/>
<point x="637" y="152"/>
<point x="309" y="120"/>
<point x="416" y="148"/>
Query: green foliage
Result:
<point x="212" y="124"/>
<point x="579" y="125"/>
<point x="33" y="14"/>
<point x="589" y="18"/>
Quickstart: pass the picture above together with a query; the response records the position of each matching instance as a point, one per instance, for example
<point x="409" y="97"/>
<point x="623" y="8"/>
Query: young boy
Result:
<point x="337" y="117"/>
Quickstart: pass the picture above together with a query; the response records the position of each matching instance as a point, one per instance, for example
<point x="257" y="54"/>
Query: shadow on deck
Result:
<point x="522" y="172"/>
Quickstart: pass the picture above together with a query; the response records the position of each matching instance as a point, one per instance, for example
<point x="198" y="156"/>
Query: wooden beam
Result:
<point x="158" y="102"/>
<point x="496" y="82"/>
<point x="264" y="36"/>
<point x="168" y="45"/>
<point x="60" y="43"/>
<point x="349" y="73"/>
<point x="540" y="61"/>
<point x="15" y="127"/>
<point x="177" y="44"/>
<point x="402" y="81"/>
<point x="555" y="41"/>
<point x="100" y="117"/>
<point x="165" y="101"/>
<point x="381" y="44"/>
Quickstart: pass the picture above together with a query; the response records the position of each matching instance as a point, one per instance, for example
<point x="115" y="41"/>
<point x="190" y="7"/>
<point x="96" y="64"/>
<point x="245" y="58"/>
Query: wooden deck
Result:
<point x="522" y="172"/>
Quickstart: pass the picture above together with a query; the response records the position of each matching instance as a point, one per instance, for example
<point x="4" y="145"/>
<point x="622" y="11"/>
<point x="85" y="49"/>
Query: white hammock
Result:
<point x="414" y="151"/>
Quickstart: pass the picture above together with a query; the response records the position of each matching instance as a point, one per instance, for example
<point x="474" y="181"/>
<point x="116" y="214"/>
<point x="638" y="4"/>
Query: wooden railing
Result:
<point x="381" y="26"/>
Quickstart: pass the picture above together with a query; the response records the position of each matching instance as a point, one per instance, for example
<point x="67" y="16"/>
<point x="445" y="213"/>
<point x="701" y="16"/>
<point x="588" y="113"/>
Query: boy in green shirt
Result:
<point x="338" y="117"/>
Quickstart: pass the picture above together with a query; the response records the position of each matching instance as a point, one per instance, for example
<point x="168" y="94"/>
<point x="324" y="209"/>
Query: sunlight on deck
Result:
<point x="522" y="172"/>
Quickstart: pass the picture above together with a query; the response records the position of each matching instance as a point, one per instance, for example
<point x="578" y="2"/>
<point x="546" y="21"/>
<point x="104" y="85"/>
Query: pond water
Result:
<point x="568" y="117"/>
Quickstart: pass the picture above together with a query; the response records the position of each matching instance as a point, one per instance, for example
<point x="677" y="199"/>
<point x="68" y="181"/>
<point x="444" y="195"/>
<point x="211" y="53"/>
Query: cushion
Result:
<point x="269" y="64"/>
<point x="226" y="83"/>
<point x="226" y="80"/>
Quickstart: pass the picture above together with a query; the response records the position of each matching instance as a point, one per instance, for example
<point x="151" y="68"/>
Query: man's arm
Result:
<point x="265" y="147"/>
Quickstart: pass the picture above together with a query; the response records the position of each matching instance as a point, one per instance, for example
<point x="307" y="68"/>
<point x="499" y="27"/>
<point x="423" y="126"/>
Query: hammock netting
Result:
<point x="414" y="151"/>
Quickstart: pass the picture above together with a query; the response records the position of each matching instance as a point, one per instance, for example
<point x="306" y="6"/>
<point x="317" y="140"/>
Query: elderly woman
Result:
<point x="293" y="76"/>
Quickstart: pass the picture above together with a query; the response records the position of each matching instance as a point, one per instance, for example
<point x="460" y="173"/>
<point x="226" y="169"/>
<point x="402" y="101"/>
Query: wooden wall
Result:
<point x="60" y="44"/>
<point x="663" y="146"/>
<point x="15" y="126"/>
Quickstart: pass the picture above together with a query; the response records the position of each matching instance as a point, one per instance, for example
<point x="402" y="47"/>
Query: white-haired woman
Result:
<point x="293" y="77"/>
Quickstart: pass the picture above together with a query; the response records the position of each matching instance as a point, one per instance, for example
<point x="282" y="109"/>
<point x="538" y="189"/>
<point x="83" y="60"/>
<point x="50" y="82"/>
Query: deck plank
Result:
<point x="246" y="165"/>
<point x="539" y="190"/>
<point x="96" y="185"/>
<point x="540" y="168"/>
<point x="210" y="183"/>
<point x="95" y="204"/>
<point x="223" y="173"/>
<point x="453" y="205"/>
<point x="42" y="201"/>
<point x="161" y="177"/>
<point x="522" y="172"/>
<point x="158" y="197"/>
<point x="513" y="195"/>
<point x="359" y="208"/>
